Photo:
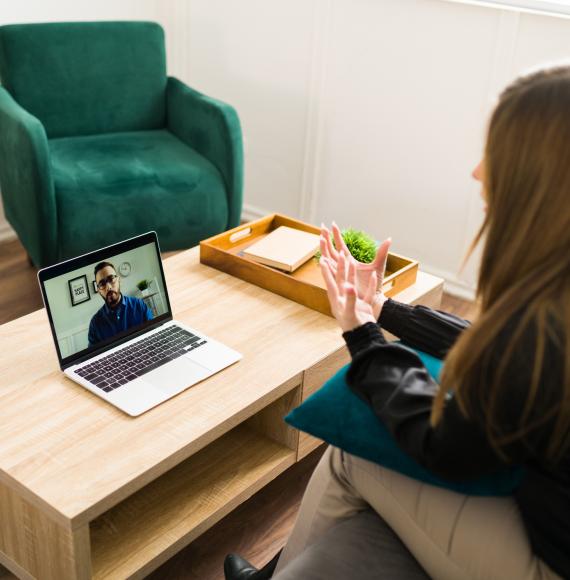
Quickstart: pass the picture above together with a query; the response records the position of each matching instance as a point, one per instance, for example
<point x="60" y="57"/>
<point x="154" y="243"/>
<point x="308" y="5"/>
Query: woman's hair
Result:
<point x="524" y="280"/>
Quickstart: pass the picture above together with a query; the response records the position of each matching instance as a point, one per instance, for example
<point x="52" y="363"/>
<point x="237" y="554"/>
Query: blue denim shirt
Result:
<point x="106" y="322"/>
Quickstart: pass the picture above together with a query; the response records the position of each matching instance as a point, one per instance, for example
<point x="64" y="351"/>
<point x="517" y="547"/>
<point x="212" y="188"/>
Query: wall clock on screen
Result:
<point x="125" y="269"/>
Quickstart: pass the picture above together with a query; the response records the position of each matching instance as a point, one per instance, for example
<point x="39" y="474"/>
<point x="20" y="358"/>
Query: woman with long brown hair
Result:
<point x="504" y="397"/>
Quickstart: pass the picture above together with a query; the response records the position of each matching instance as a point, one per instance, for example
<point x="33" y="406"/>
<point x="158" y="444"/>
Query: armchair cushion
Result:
<point x="123" y="183"/>
<point x="337" y="415"/>
<point x="84" y="78"/>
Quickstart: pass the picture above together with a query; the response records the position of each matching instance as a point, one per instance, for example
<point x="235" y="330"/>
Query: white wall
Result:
<point x="369" y="112"/>
<point x="68" y="10"/>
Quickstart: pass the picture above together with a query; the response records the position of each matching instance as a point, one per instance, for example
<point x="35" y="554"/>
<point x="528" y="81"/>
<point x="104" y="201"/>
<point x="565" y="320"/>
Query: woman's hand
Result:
<point x="363" y="271"/>
<point x="349" y="309"/>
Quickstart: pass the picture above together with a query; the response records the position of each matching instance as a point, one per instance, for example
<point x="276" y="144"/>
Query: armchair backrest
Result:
<point x="86" y="78"/>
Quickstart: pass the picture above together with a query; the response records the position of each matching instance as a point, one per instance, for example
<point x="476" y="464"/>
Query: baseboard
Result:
<point x="453" y="285"/>
<point x="250" y="213"/>
<point x="6" y="232"/>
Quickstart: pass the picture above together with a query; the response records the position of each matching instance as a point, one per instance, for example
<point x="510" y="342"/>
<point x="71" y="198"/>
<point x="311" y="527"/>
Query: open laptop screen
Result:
<point x="104" y="297"/>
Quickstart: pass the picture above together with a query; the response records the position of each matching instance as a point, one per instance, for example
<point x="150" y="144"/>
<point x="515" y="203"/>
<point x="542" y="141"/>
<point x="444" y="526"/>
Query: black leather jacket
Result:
<point x="394" y="382"/>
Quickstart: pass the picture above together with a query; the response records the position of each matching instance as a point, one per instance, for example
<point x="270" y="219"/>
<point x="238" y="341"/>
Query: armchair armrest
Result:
<point x="25" y="180"/>
<point x="213" y="129"/>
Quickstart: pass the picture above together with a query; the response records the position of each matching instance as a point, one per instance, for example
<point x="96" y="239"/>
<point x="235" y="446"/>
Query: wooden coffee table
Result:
<point x="89" y="492"/>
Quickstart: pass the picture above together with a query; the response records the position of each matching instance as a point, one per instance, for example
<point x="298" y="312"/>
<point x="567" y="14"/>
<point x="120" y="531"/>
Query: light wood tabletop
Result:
<point x="88" y="491"/>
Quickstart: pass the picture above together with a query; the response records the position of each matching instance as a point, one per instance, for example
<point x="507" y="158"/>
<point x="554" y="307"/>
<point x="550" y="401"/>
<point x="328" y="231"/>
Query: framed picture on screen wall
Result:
<point x="79" y="290"/>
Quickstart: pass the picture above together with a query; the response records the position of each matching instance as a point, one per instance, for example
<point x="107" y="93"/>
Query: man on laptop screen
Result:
<point x="124" y="352"/>
<point x="119" y="312"/>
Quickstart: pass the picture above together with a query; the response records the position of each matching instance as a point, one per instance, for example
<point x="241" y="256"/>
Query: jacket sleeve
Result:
<point x="423" y="328"/>
<point x="393" y="381"/>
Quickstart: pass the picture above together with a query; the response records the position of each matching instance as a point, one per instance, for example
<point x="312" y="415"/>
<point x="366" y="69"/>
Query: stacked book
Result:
<point x="284" y="248"/>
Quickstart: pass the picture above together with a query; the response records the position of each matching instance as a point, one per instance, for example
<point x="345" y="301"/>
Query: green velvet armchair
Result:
<point x="97" y="144"/>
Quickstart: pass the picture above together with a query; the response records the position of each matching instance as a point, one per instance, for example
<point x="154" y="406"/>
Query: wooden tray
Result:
<point x="305" y="285"/>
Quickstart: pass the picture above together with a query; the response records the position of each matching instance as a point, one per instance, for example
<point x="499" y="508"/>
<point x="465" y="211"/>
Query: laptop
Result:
<point x="113" y="329"/>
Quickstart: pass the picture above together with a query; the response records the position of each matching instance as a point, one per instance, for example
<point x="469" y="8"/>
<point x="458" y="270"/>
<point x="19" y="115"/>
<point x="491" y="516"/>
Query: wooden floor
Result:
<point x="259" y="527"/>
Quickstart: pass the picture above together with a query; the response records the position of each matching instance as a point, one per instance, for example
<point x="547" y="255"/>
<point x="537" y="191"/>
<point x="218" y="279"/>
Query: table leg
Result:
<point x="34" y="545"/>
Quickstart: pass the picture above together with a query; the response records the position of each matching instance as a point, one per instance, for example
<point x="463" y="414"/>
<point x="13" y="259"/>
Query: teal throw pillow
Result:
<point x="339" y="417"/>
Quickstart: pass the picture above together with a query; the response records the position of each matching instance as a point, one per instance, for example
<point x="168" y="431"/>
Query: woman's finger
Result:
<point x="323" y="247"/>
<point x="330" y="282"/>
<point x="329" y="249"/>
<point x="328" y="238"/>
<point x="345" y="266"/>
<point x="325" y="234"/>
<point x="351" y="274"/>
<point x="379" y="261"/>
<point x="341" y="273"/>
<point x="350" y="303"/>
<point x="371" y="289"/>
<point x="342" y="247"/>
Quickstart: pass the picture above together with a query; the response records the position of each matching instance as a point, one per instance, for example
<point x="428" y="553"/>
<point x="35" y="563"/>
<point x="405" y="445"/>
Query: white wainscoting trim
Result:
<point x="315" y="124"/>
<point x="176" y="16"/>
<point x="505" y="49"/>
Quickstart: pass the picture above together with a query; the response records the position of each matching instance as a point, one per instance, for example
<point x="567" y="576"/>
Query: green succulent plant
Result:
<point x="361" y="246"/>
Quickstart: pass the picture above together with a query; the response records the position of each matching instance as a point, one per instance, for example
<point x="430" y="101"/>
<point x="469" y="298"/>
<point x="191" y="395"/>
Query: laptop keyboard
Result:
<point x="127" y="364"/>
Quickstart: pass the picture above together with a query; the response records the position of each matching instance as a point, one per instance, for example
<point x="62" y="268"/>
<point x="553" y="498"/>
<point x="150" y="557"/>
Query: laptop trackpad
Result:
<point x="176" y="375"/>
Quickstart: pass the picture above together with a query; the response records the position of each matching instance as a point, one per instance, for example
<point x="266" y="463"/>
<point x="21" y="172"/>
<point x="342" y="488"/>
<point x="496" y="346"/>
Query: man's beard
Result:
<point x="112" y="298"/>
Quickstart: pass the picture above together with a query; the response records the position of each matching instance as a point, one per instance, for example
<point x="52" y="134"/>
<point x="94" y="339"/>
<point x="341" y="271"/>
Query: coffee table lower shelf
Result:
<point x="139" y="534"/>
<point x="134" y="523"/>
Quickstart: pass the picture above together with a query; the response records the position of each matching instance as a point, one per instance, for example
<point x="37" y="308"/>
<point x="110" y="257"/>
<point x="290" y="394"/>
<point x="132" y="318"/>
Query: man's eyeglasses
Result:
<point x="108" y="280"/>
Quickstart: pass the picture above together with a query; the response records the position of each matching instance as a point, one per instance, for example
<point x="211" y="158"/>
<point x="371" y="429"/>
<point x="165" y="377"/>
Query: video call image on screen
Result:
<point x="92" y="304"/>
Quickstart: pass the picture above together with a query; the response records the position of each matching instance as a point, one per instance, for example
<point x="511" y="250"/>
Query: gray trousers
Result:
<point x="452" y="536"/>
